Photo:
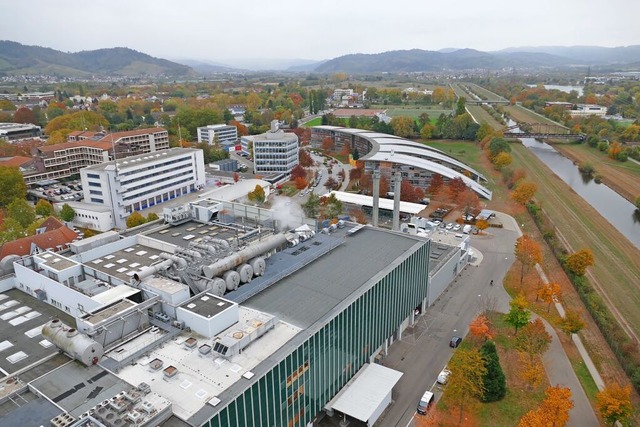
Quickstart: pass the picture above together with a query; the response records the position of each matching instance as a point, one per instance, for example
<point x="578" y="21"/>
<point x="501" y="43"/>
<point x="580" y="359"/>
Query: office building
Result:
<point x="225" y="135"/>
<point x="275" y="152"/>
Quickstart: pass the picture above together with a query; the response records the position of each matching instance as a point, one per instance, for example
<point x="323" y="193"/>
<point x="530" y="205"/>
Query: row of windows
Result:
<point x="295" y="390"/>
<point x="165" y="174"/>
<point x="158" y="188"/>
<point x="156" y="166"/>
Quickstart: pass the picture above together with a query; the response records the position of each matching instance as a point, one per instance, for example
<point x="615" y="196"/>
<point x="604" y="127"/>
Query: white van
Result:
<point x="425" y="403"/>
<point x="466" y="229"/>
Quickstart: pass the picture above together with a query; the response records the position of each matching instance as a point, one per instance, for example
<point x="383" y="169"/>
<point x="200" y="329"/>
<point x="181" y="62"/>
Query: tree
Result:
<point x="44" y="208"/>
<point x="482" y="224"/>
<point x="614" y="403"/>
<point x="533" y="339"/>
<point x="524" y="192"/>
<point x="572" y="322"/>
<point x="257" y="195"/>
<point x="427" y="131"/>
<point x="460" y="106"/>
<point x="298" y="172"/>
<point x="301" y="183"/>
<point x="531" y="369"/>
<point x="304" y="158"/>
<point x="331" y="184"/>
<point x="528" y="252"/>
<point x="152" y="217"/>
<point x="493" y="381"/>
<point x="67" y="213"/>
<point x="480" y="327"/>
<point x="312" y="207"/>
<point x="236" y="177"/>
<point x="455" y="187"/>
<point x="519" y="314"/>
<point x="402" y="126"/>
<point x="435" y="184"/>
<point x="331" y="207"/>
<point x="11" y="230"/>
<point x="553" y="411"/>
<point x="468" y="202"/>
<point x="21" y="211"/>
<point x="424" y="119"/>
<point x="502" y="160"/>
<point x="467" y="376"/>
<point x="24" y="115"/>
<point x="135" y="219"/>
<point x="578" y="262"/>
<point x="12" y="185"/>
<point x="498" y="145"/>
<point x="548" y="292"/>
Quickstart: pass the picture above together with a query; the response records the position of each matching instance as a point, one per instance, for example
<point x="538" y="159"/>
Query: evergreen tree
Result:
<point x="495" y="386"/>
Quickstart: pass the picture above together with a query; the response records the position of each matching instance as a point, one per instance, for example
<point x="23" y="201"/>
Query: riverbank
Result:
<point x="622" y="178"/>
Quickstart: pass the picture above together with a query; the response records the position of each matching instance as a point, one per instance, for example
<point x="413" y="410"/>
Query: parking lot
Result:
<point x="60" y="192"/>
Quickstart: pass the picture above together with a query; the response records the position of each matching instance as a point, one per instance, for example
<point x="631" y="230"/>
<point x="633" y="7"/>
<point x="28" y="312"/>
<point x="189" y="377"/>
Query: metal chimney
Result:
<point x="397" y="181"/>
<point x="376" y="197"/>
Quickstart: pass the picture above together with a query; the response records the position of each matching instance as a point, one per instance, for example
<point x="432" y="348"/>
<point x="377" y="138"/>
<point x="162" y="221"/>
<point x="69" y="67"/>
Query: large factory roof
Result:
<point x="362" y="200"/>
<point x="311" y="293"/>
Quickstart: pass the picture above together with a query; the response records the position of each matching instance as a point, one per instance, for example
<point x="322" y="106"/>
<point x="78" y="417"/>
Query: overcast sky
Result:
<point x="222" y="31"/>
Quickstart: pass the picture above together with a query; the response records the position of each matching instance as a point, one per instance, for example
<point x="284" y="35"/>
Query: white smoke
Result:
<point x="287" y="213"/>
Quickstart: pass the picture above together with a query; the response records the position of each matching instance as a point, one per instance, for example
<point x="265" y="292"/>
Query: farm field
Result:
<point x="616" y="273"/>
<point x="622" y="177"/>
<point x="481" y="116"/>
<point x="484" y="93"/>
<point x="413" y="110"/>
<point x="524" y="115"/>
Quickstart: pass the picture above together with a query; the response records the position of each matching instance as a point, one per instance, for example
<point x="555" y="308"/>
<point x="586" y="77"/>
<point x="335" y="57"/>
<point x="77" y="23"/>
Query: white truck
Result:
<point x="466" y="229"/>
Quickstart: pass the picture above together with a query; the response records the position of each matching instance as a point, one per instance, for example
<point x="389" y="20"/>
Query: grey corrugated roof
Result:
<point x="309" y="294"/>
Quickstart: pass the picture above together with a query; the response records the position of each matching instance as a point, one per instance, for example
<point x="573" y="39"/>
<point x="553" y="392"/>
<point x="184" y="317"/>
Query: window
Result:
<point x="94" y="200"/>
<point x="93" y="175"/>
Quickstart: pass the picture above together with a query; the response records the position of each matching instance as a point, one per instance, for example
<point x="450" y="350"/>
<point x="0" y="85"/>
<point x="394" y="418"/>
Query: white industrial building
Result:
<point x="139" y="182"/>
<point x="275" y="151"/>
<point x="224" y="134"/>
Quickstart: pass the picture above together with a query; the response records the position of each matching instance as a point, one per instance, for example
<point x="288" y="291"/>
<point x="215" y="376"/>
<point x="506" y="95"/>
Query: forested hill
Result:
<point x="16" y="58"/>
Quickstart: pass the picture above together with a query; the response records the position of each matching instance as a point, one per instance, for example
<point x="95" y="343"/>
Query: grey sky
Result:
<point x="221" y="31"/>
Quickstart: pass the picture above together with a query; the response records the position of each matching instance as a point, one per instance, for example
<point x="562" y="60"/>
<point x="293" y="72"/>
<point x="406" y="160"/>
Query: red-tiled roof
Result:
<point x="57" y="234"/>
<point x="15" y="161"/>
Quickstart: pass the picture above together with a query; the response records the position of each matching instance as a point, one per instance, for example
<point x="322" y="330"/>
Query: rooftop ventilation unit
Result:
<point x="240" y="337"/>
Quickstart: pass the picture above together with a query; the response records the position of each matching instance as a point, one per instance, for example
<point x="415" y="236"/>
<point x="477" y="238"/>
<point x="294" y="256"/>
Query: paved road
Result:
<point x="423" y="350"/>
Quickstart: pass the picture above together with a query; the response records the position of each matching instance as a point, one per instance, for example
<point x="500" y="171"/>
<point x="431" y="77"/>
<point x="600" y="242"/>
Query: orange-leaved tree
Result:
<point x="553" y="411"/>
<point x="480" y="327"/>
<point x="572" y="322"/>
<point x="466" y="380"/>
<point x="531" y="370"/>
<point x="614" y="403"/>
<point x="528" y="252"/>
<point x="524" y="192"/>
<point x="548" y="292"/>
<point x="578" y="262"/>
<point x="533" y="339"/>
<point x="300" y="183"/>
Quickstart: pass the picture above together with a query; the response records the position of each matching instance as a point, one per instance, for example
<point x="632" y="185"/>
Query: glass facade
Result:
<point x="297" y="388"/>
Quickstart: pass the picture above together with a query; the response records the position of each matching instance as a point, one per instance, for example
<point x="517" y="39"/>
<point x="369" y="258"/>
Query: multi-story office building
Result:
<point x="275" y="151"/>
<point x="92" y="148"/>
<point x="141" y="181"/>
<point x="225" y="135"/>
<point x="18" y="131"/>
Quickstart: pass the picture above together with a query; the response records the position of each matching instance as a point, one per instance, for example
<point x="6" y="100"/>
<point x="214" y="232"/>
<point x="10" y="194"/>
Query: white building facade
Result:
<point x="139" y="182"/>
<point x="275" y="151"/>
<point x="226" y="134"/>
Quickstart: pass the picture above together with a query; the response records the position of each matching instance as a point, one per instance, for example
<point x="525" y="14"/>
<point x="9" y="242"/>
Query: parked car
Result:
<point x="456" y="227"/>
<point x="455" y="341"/>
<point x="449" y="226"/>
<point x="425" y="403"/>
<point x="443" y="376"/>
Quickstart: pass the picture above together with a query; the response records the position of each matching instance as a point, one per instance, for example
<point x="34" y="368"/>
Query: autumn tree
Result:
<point x="304" y="158"/>
<point x="300" y="183"/>
<point x="331" y="183"/>
<point x="493" y="381"/>
<point x="312" y="206"/>
<point x="21" y="211"/>
<point x="533" y="339"/>
<point x="298" y="172"/>
<point x="24" y="115"/>
<point x="482" y="224"/>
<point x="455" y="187"/>
<point x="501" y="160"/>
<point x="572" y="322"/>
<point x="330" y="207"/>
<point x="135" y="219"/>
<point x="519" y="313"/>
<point x="402" y="126"/>
<point x="553" y="411"/>
<point x="257" y="195"/>
<point x="436" y="184"/>
<point x="236" y="177"/>
<point x="524" y="192"/>
<point x="548" y="292"/>
<point x="152" y="216"/>
<point x="12" y="185"/>
<point x="528" y="252"/>
<point x="467" y="375"/>
<point x="614" y="403"/>
<point x="480" y="327"/>
<point x="531" y="370"/>
<point x="44" y="208"/>
<point x="327" y="144"/>
<point x="468" y="202"/>
<point x="578" y="262"/>
<point x="355" y="174"/>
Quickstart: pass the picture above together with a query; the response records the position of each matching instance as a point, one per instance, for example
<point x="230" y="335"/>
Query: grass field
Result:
<point x="317" y="121"/>
<point x="524" y="115"/>
<point x="481" y="116"/>
<point x="484" y="93"/>
<point x="622" y="177"/>
<point x="416" y="111"/>
<point x="616" y="273"/>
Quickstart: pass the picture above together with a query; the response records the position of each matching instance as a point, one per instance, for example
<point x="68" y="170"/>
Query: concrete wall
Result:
<point x="440" y="279"/>
<point x="212" y="326"/>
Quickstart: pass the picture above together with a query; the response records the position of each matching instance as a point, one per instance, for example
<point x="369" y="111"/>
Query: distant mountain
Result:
<point x="268" y="64"/>
<point x="205" y="67"/>
<point x="16" y="58"/>
<point x="306" y="67"/>
<point x="417" y="60"/>
<point x="586" y="54"/>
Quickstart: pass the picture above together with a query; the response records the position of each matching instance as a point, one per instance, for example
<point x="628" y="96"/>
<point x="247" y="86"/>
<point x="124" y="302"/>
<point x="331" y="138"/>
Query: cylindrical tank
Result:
<point x="69" y="340"/>
<point x="259" y="266"/>
<point x="246" y="273"/>
<point x="218" y="286"/>
<point x="234" y="260"/>
<point x="232" y="279"/>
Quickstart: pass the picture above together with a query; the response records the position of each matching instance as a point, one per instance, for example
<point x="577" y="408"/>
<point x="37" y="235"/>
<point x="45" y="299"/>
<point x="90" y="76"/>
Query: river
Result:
<point x="616" y="209"/>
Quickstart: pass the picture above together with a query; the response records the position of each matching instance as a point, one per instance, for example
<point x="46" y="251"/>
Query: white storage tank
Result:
<point x="69" y="340"/>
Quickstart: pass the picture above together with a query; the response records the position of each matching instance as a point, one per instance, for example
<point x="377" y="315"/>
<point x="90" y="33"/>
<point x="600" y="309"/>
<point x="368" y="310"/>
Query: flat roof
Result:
<point x="56" y="261"/>
<point x="21" y="320"/>
<point x="308" y="295"/>
<point x="366" y="391"/>
<point x="141" y="159"/>
<point x="124" y="263"/>
<point x="234" y="191"/>
<point x="207" y="305"/>
<point x="193" y="232"/>
<point x="360" y="199"/>
<point x="106" y="312"/>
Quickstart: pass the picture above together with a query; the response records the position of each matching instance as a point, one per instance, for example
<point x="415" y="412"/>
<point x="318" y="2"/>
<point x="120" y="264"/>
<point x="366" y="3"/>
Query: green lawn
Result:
<point x="317" y="121"/>
<point x="588" y="384"/>
<point x="416" y="111"/>
<point x="466" y="151"/>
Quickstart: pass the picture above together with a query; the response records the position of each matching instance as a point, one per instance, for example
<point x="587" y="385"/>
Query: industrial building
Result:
<point x="225" y="315"/>
<point x="390" y="154"/>
<point x="138" y="182"/>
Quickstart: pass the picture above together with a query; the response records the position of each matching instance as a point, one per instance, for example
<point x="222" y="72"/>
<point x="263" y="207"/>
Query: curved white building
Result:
<point x="416" y="162"/>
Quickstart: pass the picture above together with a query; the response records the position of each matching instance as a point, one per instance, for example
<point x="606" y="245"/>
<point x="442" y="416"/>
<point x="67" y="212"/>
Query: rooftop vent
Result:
<point x="170" y="371"/>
